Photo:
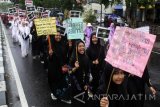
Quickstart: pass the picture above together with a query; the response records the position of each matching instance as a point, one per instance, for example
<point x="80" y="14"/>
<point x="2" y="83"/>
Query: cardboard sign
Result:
<point x="46" y="26"/>
<point x="61" y="29"/>
<point x="21" y="12"/>
<point x="75" y="13"/>
<point x="31" y="16"/>
<point x="75" y="28"/>
<point x="102" y="32"/>
<point x="44" y="14"/>
<point x="143" y="29"/>
<point x="130" y="50"/>
<point x="40" y="9"/>
<point x="28" y="2"/>
<point x="17" y="5"/>
<point x="12" y="10"/>
<point x="30" y="8"/>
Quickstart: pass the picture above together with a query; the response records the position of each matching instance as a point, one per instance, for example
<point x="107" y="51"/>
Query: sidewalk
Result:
<point x="3" y="102"/>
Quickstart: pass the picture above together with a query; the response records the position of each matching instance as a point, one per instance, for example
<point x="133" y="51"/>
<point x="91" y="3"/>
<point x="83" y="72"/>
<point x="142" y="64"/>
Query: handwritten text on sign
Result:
<point x="75" y="28"/>
<point x="130" y="50"/>
<point x="46" y="26"/>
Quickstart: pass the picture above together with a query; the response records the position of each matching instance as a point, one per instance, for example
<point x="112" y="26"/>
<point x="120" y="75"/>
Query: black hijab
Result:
<point x="109" y="88"/>
<point x="95" y="51"/>
<point x="76" y="56"/>
<point x="83" y="65"/>
<point x="91" y="43"/>
<point x="60" y="50"/>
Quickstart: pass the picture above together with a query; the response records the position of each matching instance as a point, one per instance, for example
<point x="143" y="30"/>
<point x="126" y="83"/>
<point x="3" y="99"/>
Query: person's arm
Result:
<point x="104" y="102"/>
<point x="147" y="80"/>
<point x="73" y="63"/>
<point x="146" y="77"/>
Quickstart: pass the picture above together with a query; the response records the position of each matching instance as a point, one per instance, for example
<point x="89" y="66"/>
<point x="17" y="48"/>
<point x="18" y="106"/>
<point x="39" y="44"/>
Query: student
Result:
<point x="136" y="89"/>
<point x="15" y="29"/>
<point x="24" y="32"/>
<point x="57" y="68"/>
<point x="27" y="38"/>
<point x="112" y="86"/>
<point x="96" y="56"/>
<point x="19" y="36"/>
<point x="80" y="70"/>
<point x="111" y="33"/>
<point x="88" y="30"/>
<point x="35" y="51"/>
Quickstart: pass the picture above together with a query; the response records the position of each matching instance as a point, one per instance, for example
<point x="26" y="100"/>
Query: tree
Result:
<point x="131" y="9"/>
<point x="22" y="4"/>
<point x="89" y="17"/>
<point x="106" y="3"/>
<point x="4" y="7"/>
<point x="61" y="4"/>
<point x="67" y="5"/>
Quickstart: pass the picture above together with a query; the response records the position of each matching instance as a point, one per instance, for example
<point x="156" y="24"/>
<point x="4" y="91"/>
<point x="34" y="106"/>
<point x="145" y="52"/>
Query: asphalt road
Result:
<point x="34" y="79"/>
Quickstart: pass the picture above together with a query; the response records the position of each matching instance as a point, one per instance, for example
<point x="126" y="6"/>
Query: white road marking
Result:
<point x="22" y="96"/>
<point x="1" y="70"/>
<point x="4" y="106"/>
<point x="1" y="59"/>
<point x="2" y="86"/>
<point x="1" y="51"/>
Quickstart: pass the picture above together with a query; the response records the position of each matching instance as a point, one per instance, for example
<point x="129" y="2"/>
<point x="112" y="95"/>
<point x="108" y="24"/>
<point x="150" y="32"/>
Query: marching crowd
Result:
<point x="78" y="66"/>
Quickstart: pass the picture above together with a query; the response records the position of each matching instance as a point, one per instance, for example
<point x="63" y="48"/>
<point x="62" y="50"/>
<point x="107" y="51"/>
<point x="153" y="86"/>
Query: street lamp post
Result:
<point x="101" y="14"/>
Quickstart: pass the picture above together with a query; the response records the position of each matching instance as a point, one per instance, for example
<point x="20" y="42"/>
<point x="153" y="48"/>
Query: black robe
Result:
<point x="136" y="89"/>
<point x="35" y="43"/>
<point x="95" y="52"/>
<point x="80" y="77"/>
<point x="56" y="77"/>
<point x="114" y="90"/>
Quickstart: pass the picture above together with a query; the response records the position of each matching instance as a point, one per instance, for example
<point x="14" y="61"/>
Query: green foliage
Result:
<point x="105" y="2"/>
<point x="142" y="1"/>
<point x="89" y="17"/>
<point x="4" y="7"/>
<point x="61" y="4"/>
<point x="67" y="4"/>
<point x="22" y="4"/>
<point x="66" y="14"/>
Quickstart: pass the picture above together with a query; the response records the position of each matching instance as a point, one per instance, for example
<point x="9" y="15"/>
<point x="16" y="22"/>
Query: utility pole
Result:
<point x="101" y="14"/>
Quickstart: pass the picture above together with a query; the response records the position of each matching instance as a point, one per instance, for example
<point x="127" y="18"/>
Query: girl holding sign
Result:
<point x="57" y="68"/>
<point x="111" y="89"/>
<point x="80" y="70"/>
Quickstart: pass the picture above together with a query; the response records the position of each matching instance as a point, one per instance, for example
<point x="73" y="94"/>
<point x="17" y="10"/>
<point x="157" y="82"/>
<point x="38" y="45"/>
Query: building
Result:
<point x="95" y="6"/>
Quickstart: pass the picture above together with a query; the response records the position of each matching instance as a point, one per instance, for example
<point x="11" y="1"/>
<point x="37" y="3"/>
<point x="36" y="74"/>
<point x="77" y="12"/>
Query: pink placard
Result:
<point x="130" y="50"/>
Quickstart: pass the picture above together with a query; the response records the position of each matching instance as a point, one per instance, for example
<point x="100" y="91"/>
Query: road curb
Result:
<point x="3" y="97"/>
<point x="22" y="97"/>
